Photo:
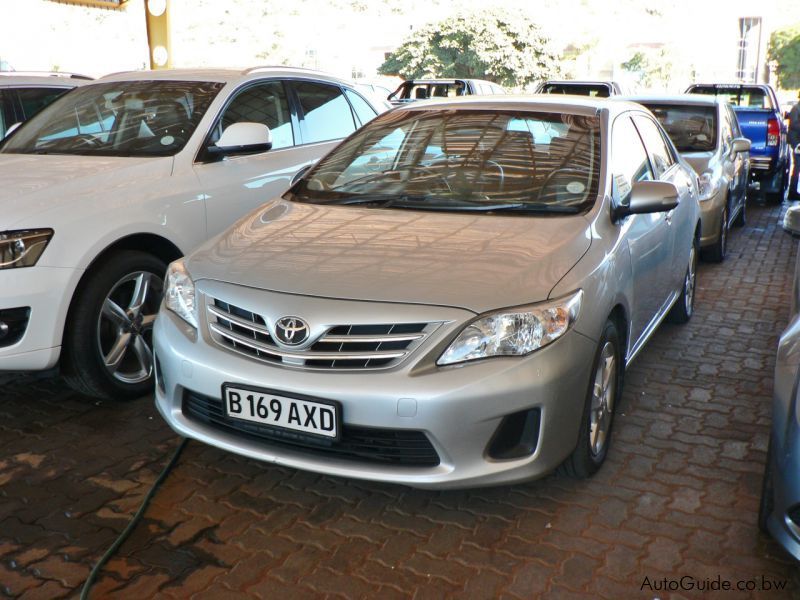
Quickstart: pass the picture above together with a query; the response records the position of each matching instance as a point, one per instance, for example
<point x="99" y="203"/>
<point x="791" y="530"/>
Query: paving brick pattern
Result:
<point x="678" y="495"/>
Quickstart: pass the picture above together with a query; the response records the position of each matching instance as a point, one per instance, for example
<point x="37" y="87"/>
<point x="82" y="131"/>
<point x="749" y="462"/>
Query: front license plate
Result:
<point x="266" y="408"/>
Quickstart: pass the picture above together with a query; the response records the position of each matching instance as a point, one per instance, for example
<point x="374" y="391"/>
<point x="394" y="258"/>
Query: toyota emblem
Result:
<point x="291" y="331"/>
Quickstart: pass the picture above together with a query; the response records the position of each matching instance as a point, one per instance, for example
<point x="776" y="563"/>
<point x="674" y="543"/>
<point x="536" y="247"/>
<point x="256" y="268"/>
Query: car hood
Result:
<point x="698" y="160"/>
<point x="476" y="262"/>
<point x="35" y="183"/>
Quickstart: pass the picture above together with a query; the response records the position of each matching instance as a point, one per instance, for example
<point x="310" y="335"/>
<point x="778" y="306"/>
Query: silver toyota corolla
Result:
<point x="448" y="299"/>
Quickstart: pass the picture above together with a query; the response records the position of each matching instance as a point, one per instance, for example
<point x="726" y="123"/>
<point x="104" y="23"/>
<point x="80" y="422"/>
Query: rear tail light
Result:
<point x="773" y="132"/>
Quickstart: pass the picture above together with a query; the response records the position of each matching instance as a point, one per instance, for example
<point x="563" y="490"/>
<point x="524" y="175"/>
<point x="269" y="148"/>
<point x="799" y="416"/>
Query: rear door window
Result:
<point x="737" y="95"/>
<point x="326" y="114"/>
<point x="364" y="112"/>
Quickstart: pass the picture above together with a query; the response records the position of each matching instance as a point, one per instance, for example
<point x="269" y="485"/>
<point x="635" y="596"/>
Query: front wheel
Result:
<point x="605" y="389"/>
<point x="741" y="218"/>
<point x="108" y="339"/>
<point x="719" y="250"/>
<point x="683" y="308"/>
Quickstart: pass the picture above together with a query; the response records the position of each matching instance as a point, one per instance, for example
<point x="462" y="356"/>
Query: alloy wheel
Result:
<point x="125" y="326"/>
<point x="603" y="394"/>
<point x="691" y="280"/>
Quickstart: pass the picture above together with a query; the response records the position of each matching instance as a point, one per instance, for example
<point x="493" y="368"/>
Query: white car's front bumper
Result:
<point x="47" y="292"/>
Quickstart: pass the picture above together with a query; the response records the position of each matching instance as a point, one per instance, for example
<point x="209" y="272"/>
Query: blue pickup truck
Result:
<point x="761" y="121"/>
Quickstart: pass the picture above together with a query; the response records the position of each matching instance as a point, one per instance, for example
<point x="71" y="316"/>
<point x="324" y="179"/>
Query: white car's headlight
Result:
<point x="514" y="332"/>
<point x="708" y="186"/>
<point x="22" y="248"/>
<point x="179" y="296"/>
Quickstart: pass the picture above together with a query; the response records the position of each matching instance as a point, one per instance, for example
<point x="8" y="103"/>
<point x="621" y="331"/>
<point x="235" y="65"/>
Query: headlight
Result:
<point x="514" y="332"/>
<point x="179" y="296"/>
<point x="707" y="185"/>
<point x="23" y="248"/>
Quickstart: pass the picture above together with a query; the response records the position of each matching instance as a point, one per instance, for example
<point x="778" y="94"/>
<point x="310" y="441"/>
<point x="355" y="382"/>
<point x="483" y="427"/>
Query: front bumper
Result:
<point x="46" y="291"/>
<point x="458" y="408"/>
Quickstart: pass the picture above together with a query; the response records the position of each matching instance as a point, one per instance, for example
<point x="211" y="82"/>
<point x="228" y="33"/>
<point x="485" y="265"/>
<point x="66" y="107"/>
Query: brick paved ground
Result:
<point x="678" y="494"/>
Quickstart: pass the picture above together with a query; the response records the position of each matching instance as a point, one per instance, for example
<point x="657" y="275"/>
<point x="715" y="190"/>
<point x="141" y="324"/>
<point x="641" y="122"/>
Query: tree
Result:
<point x="652" y="67"/>
<point x="492" y="44"/>
<point x="784" y="53"/>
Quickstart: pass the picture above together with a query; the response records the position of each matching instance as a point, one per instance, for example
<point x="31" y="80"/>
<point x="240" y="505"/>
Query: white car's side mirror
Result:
<point x="243" y="138"/>
<point x="649" y="197"/>
<point x="740" y="145"/>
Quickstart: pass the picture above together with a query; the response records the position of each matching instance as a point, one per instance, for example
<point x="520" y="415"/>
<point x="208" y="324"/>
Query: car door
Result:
<point x="235" y="185"/>
<point x="740" y="160"/>
<point x="647" y="235"/>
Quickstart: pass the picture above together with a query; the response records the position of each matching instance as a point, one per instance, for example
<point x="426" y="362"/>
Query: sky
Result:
<point x="350" y="37"/>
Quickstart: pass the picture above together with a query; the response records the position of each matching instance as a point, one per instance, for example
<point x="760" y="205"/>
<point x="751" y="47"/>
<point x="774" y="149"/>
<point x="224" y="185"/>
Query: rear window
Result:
<point x="691" y="128"/>
<point x="423" y="91"/>
<point x="595" y="90"/>
<point x="738" y="95"/>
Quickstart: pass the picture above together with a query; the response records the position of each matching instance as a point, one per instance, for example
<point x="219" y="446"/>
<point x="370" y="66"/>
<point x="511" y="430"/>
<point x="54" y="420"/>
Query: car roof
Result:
<point x="581" y="82"/>
<point x="683" y="99"/>
<point x="44" y="79"/>
<point x="222" y="75"/>
<point x="582" y="105"/>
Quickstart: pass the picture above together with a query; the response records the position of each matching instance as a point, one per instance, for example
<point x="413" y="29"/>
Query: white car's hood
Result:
<point x="31" y="184"/>
<point x="471" y="261"/>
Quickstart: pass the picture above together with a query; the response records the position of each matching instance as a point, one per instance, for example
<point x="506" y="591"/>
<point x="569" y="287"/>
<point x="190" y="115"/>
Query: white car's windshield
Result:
<point x="132" y="118"/>
<point x="483" y="160"/>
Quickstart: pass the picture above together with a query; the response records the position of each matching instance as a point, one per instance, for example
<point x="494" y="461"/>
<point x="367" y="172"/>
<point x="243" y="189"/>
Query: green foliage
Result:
<point x="494" y="44"/>
<point x="784" y="53"/>
<point x="652" y="67"/>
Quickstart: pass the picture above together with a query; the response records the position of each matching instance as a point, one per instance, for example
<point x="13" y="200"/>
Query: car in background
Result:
<point x="706" y="132"/>
<point x="779" y="509"/>
<point x="424" y="89"/>
<point x="762" y="122"/>
<point x="23" y="94"/>
<point x="594" y="89"/>
<point x="448" y="299"/>
<point x="105" y="186"/>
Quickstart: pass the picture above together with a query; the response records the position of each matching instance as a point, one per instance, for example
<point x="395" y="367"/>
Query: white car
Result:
<point x="22" y="95"/>
<point x="107" y="185"/>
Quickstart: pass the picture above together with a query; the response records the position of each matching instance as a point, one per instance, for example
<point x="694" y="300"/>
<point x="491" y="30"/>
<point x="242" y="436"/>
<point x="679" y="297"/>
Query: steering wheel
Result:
<point x="85" y="139"/>
<point x="501" y="179"/>
<point x="429" y="170"/>
<point x="581" y="174"/>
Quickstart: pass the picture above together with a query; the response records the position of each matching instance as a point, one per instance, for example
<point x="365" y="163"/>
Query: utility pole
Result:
<point x="158" y="41"/>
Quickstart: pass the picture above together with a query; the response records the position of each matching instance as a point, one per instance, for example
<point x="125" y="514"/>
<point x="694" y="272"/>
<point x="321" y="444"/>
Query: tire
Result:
<point x="767" y="503"/>
<point x="719" y="250"/>
<point x="683" y="308"/>
<point x="605" y="390"/>
<point x="780" y="195"/>
<point x="741" y="218"/>
<point x="107" y="348"/>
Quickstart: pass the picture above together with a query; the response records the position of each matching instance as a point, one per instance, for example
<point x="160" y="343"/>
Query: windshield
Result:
<point x="463" y="160"/>
<point x="595" y="90"/>
<point x="738" y="95"/>
<point x="130" y="118"/>
<point x="691" y="128"/>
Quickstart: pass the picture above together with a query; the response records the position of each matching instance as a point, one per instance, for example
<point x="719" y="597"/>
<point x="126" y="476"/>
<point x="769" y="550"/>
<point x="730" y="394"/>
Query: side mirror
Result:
<point x="740" y="145"/>
<point x="649" y="197"/>
<point x="791" y="220"/>
<point x="242" y="138"/>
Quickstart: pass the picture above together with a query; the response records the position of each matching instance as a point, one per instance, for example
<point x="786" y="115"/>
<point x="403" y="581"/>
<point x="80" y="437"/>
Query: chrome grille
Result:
<point x="352" y="346"/>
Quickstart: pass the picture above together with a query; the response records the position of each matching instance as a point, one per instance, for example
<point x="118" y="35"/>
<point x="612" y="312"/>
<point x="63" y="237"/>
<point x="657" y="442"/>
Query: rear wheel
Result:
<point x="779" y="196"/>
<point x="683" y="308"/>
<point x="108" y="338"/>
<point x="605" y="389"/>
<point x="717" y="252"/>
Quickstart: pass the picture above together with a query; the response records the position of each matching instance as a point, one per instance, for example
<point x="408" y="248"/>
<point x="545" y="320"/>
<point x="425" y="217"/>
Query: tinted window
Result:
<point x="6" y="113"/>
<point x="660" y="155"/>
<point x="578" y="89"/>
<point x="130" y="118"/>
<point x="478" y="160"/>
<point x="691" y="128"/>
<point x="364" y="112"/>
<point x="327" y="113"/>
<point x="737" y="95"/>
<point x="629" y="162"/>
<point x="262" y="103"/>
<point x="35" y="99"/>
